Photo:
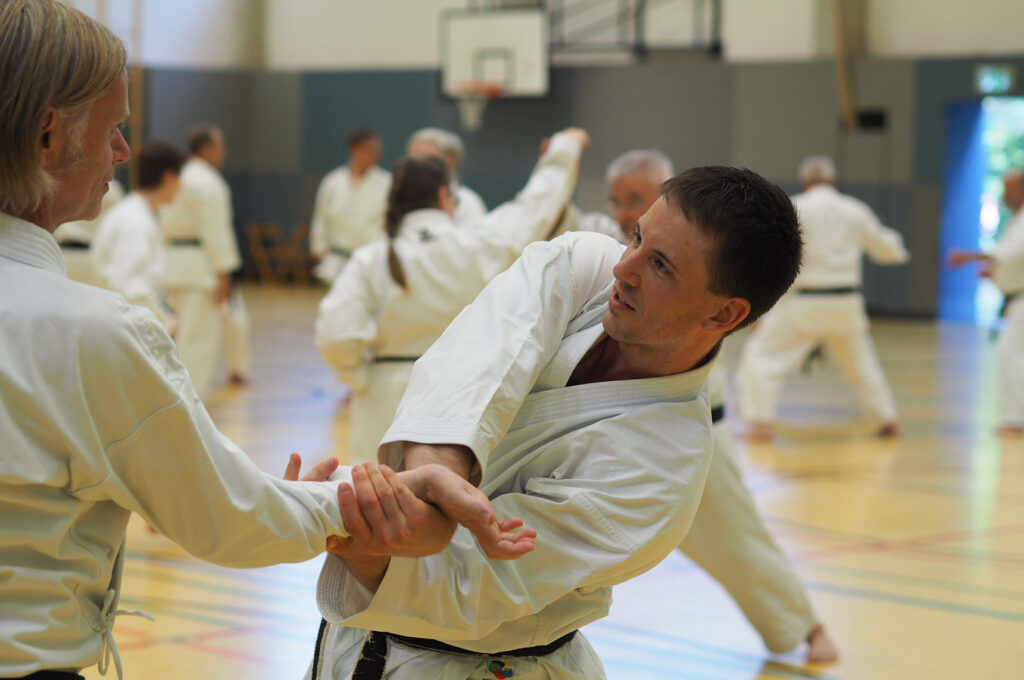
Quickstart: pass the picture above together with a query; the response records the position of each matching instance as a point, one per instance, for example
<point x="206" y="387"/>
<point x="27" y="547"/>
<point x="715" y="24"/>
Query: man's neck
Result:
<point x="611" y="360"/>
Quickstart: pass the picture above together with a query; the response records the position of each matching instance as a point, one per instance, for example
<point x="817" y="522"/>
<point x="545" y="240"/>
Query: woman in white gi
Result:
<point x="397" y="295"/>
<point x="128" y="249"/>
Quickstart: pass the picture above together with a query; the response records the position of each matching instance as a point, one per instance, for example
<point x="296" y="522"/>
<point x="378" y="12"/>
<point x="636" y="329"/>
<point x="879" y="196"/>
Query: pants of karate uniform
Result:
<point x="789" y="331"/>
<point x="574" y="661"/>
<point x="729" y="541"/>
<point x="235" y="318"/>
<point x="200" y="333"/>
<point x="1011" y="365"/>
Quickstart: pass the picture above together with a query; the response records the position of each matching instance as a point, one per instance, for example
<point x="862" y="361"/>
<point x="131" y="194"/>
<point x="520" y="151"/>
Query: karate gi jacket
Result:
<point x="366" y="315"/>
<point x="1008" y="257"/>
<point x="837" y="230"/>
<point x="346" y="216"/>
<point x="98" y="419"/>
<point x="469" y="207"/>
<point x="201" y="213"/>
<point x="609" y="474"/>
<point x="130" y="256"/>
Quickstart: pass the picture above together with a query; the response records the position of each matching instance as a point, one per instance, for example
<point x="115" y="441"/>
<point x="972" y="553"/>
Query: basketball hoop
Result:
<point x="472" y="98"/>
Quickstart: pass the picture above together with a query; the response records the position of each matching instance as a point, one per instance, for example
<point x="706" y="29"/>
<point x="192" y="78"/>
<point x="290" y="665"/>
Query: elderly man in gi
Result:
<point x="825" y="306"/>
<point x="1004" y="264"/>
<point x="573" y="387"/>
<point x="348" y="211"/>
<point x="728" y="537"/>
<point x="98" y="417"/>
<point x="446" y="145"/>
<point x="202" y="254"/>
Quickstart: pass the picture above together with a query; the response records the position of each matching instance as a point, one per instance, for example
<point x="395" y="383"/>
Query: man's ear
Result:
<point x="729" y="315"/>
<point x="52" y="139"/>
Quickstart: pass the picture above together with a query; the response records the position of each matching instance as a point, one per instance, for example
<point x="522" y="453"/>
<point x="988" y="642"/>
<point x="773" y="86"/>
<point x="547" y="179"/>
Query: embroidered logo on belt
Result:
<point x="500" y="670"/>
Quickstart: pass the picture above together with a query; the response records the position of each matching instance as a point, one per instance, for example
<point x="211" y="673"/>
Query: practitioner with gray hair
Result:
<point x="633" y="181"/>
<point x="825" y="305"/>
<point x="98" y="417"/>
<point x="469" y="207"/>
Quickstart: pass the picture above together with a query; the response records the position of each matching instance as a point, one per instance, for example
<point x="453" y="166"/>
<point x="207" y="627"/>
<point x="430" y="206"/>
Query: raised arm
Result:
<point x="466" y="389"/>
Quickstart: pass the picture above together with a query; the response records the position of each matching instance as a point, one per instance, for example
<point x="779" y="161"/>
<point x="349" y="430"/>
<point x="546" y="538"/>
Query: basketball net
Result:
<point x="472" y="99"/>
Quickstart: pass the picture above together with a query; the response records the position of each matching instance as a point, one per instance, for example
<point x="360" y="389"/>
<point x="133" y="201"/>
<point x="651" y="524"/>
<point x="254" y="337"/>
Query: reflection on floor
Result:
<point x="913" y="551"/>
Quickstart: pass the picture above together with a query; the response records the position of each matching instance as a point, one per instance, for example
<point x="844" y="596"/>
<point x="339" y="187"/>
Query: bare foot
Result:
<point x="891" y="430"/>
<point x="1010" y="431"/>
<point x="237" y="380"/>
<point x="760" y="430"/>
<point x="821" y="648"/>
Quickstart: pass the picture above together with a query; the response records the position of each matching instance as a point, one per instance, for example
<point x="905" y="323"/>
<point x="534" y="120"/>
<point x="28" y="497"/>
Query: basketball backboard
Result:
<point x="506" y="49"/>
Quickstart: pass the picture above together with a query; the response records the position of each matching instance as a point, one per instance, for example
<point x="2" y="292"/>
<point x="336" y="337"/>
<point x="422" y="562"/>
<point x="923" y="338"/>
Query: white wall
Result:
<point x="354" y="34"/>
<point x="944" y="27"/>
<point x="770" y="30"/>
<point x="214" y="34"/>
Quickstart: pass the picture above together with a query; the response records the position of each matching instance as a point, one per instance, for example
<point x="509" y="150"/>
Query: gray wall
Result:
<point x="285" y="130"/>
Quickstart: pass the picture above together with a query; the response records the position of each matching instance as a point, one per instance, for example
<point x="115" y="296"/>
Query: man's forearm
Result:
<point x="369" y="570"/>
<point x="455" y="457"/>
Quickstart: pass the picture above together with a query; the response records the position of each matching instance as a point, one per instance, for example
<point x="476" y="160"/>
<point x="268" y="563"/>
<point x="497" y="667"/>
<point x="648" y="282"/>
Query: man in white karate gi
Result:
<point x="349" y="208"/>
<point x="573" y="388"/>
<point x="75" y="239"/>
<point x="1004" y="264"/>
<point x="825" y="306"/>
<point x="202" y="253"/>
<point x="446" y="145"/>
<point x="98" y="417"/>
<point x="728" y="537"/>
<point x="128" y="249"/>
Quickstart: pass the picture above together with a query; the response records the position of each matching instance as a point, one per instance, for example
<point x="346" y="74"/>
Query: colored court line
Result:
<point x="983" y="612"/>
<point x="920" y="581"/>
<point x="704" y="647"/>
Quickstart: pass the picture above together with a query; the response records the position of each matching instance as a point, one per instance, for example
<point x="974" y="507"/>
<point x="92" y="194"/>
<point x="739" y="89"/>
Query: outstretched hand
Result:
<point x="319" y="473"/>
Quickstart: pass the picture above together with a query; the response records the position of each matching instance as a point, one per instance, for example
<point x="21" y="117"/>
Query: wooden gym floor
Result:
<point x="913" y="551"/>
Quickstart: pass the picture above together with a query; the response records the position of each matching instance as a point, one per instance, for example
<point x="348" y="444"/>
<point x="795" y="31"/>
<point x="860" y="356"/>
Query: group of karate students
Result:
<point x="170" y="246"/>
<point x="575" y="391"/>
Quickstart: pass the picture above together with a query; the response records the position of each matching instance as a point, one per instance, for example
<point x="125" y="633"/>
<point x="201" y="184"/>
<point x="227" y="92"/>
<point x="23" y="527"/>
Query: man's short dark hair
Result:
<point x="154" y="161"/>
<point x="358" y="136"/>
<point x="753" y="228"/>
<point x="199" y="136"/>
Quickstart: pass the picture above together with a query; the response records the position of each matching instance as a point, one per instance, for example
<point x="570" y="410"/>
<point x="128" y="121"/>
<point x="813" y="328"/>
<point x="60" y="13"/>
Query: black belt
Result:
<point x="1007" y="299"/>
<point x="847" y="290"/>
<point x="338" y="250"/>
<point x="74" y="245"/>
<point x="185" y="242"/>
<point x="717" y="413"/>
<point x="53" y="675"/>
<point x="394" y="360"/>
<point x="374" y="654"/>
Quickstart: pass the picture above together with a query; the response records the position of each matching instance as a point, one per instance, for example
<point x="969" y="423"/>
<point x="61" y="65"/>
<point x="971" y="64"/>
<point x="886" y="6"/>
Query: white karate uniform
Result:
<point x="469" y="207"/>
<point x="609" y="474"/>
<point x="728" y="538"/>
<point x="129" y="254"/>
<point x="346" y="215"/>
<point x="76" y="238"/>
<point x="99" y="419"/>
<point x="367" y="316"/>
<point x="837" y="230"/>
<point x="201" y="244"/>
<point x="1008" y="274"/>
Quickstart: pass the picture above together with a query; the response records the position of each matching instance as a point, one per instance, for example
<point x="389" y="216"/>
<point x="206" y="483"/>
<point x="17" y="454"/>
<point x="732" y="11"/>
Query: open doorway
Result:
<point x="984" y="139"/>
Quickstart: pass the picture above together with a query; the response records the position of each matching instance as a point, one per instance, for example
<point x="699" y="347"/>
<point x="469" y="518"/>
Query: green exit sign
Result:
<point x="994" y="78"/>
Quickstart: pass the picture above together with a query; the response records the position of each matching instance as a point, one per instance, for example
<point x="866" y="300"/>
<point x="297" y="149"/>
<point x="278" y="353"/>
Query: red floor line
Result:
<point x="228" y="653"/>
<point x="908" y="543"/>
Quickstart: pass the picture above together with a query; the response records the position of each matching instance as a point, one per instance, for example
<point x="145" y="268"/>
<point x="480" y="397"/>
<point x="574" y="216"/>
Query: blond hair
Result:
<point x="51" y="56"/>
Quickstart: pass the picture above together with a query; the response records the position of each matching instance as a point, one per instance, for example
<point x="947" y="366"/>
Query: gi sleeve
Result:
<point x="882" y="244"/>
<point x="213" y="220"/>
<point x="347" y="321"/>
<point x="153" y="449"/>
<point x="606" y="520"/>
<point x="318" y="237"/>
<point x="467" y="388"/>
<point x="1008" y="257"/>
